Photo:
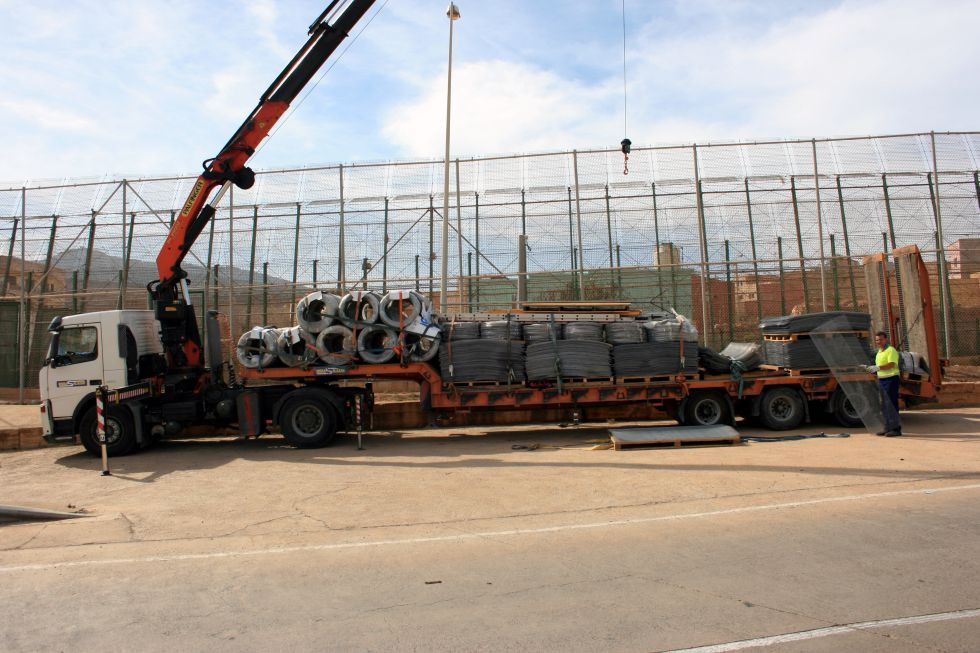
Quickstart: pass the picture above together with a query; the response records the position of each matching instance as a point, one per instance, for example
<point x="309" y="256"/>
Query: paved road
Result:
<point x="456" y="543"/>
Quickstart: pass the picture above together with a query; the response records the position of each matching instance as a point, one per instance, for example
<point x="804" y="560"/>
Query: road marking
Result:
<point x="826" y="632"/>
<point x="481" y="535"/>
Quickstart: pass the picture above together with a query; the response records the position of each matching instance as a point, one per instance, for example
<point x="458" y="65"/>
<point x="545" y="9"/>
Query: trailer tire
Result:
<point x="120" y="432"/>
<point x="844" y="411"/>
<point x="308" y="421"/>
<point x="706" y="408"/>
<point x="781" y="409"/>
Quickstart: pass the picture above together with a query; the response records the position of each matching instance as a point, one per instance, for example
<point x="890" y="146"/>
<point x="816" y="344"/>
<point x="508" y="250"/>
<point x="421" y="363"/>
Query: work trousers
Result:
<point x="889" y="402"/>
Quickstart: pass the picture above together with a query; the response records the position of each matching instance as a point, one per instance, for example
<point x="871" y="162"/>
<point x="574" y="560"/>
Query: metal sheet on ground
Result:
<point x="846" y="363"/>
<point x="660" y="435"/>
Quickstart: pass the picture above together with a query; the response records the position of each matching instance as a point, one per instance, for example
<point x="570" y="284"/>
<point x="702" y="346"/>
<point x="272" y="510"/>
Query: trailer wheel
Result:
<point x="781" y="409"/>
<point x="706" y="409"/>
<point x="844" y="410"/>
<point x="120" y="432"/>
<point x="307" y="421"/>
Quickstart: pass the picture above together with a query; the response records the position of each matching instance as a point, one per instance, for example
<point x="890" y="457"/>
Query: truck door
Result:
<point x="74" y="367"/>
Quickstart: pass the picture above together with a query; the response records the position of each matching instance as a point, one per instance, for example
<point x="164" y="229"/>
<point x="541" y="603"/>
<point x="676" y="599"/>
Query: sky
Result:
<point x="97" y="88"/>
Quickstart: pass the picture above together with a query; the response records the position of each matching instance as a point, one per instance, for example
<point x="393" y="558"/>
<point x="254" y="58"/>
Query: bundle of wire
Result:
<point x="501" y="330"/>
<point x="654" y="358"/>
<point x="542" y="332"/>
<point x="461" y="331"/>
<point x="804" y="353"/>
<point x="568" y="359"/>
<point x="482" y="360"/>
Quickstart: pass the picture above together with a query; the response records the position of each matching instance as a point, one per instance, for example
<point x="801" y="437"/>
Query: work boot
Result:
<point x="880" y="433"/>
<point x="893" y="434"/>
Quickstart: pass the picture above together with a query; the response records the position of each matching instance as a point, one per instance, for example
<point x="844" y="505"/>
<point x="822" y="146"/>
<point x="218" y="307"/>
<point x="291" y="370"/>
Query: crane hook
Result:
<point x="625" y="147"/>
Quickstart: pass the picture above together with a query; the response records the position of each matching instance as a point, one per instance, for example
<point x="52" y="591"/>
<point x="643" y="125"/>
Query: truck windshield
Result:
<point x="75" y="345"/>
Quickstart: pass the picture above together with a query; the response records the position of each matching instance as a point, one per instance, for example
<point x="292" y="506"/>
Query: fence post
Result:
<point x="941" y="250"/>
<point x="609" y="234"/>
<point x="459" y="240"/>
<point x="341" y="237"/>
<point x="296" y="252"/>
<point x="619" y="272"/>
<point x="47" y="258"/>
<point x="74" y="291"/>
<point x="578" y="220"/>
<point x="10" y="258"/>
<point x="656" y="243"/>
<point x="888" y="208"/>
<point x="265" y="294"/>
<point x="847" y="243"/>
<point x="799" y="245"/>
<point x="730" y="294"/>
<point x="128" y="251"/>
<point x="432" y="250"/>
<point x="384" y="253"/>
<point x="833" y="270"/>
<point x="782" y="276"/>
<point x="755" y="257"/>
<point x="469" y="280"/>
<point x="251" y="265"/>
<point x="88" y="260"/>
<point x="417" y="274"/>
<point x="214" y="287"/>
<point x="703" y="238"/>
<point x="816" y="190"/>
<point x="21" y="354"/>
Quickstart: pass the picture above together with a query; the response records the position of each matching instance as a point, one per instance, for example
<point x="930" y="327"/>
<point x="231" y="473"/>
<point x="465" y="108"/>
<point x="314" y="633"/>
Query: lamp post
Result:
<point x="453" y="13"/>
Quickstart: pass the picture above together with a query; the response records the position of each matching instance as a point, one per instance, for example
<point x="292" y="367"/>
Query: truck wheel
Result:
<point x="308" y="422"/>
<point x="844" y="410"/>
<point x="781" y="409"/>
<point x="120" y="432"/>
<point x="706" y="409"/>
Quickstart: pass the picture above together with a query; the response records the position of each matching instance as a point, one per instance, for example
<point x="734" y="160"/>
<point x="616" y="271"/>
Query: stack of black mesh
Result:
<point x="461" y="330"/>
<point x="622" y="333"/>
<point x="501" y="330"/>
<point x="789" y="340"/>
<point x="654" y="359"/>
<point x="568" y="359"/>
<point x="475" y="360"/>
<point x="583" y="331"/>
<point x="542" y="332"/>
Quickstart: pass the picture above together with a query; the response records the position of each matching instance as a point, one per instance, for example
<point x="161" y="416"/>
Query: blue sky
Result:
<point x="137" y="88"/>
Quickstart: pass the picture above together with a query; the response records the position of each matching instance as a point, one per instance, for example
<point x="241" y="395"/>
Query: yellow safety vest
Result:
<point x="887" y="355"/>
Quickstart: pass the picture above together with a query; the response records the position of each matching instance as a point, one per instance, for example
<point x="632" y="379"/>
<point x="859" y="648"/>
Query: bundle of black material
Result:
<point x="461" y="330"/>
<point x="568" y="359"/>
<point x="501" y="330"/>
<point x="670" y="330"/>
<point x="803" y="353"/>
<point x="542" y="332"/>
<point x="713" y="362"/>
<point x="621" y="333"/>
<point x="583" y="331"/>
<point x="482" y="360"/>
<point x="749" y="354"/>
<point x="654" y="359"/>
<point x="842" y="321"/>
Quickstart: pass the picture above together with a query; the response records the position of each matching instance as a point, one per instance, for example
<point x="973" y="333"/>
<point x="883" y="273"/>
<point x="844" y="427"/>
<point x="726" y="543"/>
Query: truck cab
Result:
<point x="111" y="348"/>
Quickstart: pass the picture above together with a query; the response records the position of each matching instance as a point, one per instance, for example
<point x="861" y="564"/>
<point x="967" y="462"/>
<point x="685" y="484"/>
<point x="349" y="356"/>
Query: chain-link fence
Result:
<point x="726" y="233"/>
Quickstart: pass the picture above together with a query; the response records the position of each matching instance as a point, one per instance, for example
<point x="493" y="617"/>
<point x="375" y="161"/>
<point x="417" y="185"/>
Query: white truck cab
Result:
<point x="86" y="351"/>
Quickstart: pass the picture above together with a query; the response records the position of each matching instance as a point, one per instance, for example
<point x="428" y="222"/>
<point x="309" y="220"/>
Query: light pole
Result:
<point x="453" y="13"/>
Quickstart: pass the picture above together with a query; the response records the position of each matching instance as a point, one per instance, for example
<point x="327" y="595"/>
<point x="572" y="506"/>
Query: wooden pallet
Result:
<point x="663" y="378"/>
<point x="794" y="337"/>
<point x="480" y="384"/>
<point x="810" y="371"/>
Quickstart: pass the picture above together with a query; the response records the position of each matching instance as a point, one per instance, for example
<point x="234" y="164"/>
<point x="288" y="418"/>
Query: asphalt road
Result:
<point x="442" y="541"/>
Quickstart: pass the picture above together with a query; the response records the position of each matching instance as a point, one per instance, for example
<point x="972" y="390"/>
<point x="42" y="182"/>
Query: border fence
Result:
<point x="725" y="233"/>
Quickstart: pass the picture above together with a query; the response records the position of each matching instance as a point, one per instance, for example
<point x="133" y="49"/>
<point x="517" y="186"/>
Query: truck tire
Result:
<point x="120" y="432"/>
<point x="781" y="409"/>
<point x="308" y="421"/>
<point x="844" y="410"/>
<point x="706" y="408"/>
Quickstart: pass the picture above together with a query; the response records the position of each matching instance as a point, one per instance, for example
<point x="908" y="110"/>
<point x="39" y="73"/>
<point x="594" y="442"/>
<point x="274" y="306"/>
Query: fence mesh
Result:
<point x="726" y="233"/>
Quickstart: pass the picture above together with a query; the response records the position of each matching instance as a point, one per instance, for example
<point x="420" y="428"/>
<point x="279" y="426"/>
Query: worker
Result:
<point x="886" y="367"/>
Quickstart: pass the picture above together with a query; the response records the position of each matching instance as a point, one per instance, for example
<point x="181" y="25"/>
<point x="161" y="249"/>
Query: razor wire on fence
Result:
<point x="727" y="233"/>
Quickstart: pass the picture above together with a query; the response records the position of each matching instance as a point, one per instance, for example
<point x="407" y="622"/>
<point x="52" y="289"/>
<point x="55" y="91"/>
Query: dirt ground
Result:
<point x="513" y="538"/>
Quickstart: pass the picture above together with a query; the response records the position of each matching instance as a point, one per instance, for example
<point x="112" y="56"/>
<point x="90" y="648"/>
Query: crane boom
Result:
<point x="180" y="335"/>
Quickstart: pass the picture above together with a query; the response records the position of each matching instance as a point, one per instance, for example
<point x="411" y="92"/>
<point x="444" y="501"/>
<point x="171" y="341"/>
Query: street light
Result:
<point x="453" y="13"/>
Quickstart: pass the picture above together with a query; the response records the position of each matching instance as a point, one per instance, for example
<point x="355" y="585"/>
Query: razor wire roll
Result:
<point x="398" y="309"/>
<point x="358" y="308"/>
<point x="335" y="345"/>
<point x="376" y="344"/>
<point x="538" y="332"/>
<point x="622" y="333"/>
<point x="294" y="350"/>
<point x="317" y="311"/>
<point x="257" y="348"/>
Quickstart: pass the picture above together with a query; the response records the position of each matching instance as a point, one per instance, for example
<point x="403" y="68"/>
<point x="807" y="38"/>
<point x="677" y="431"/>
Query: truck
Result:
<point x="158" y="379"/>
